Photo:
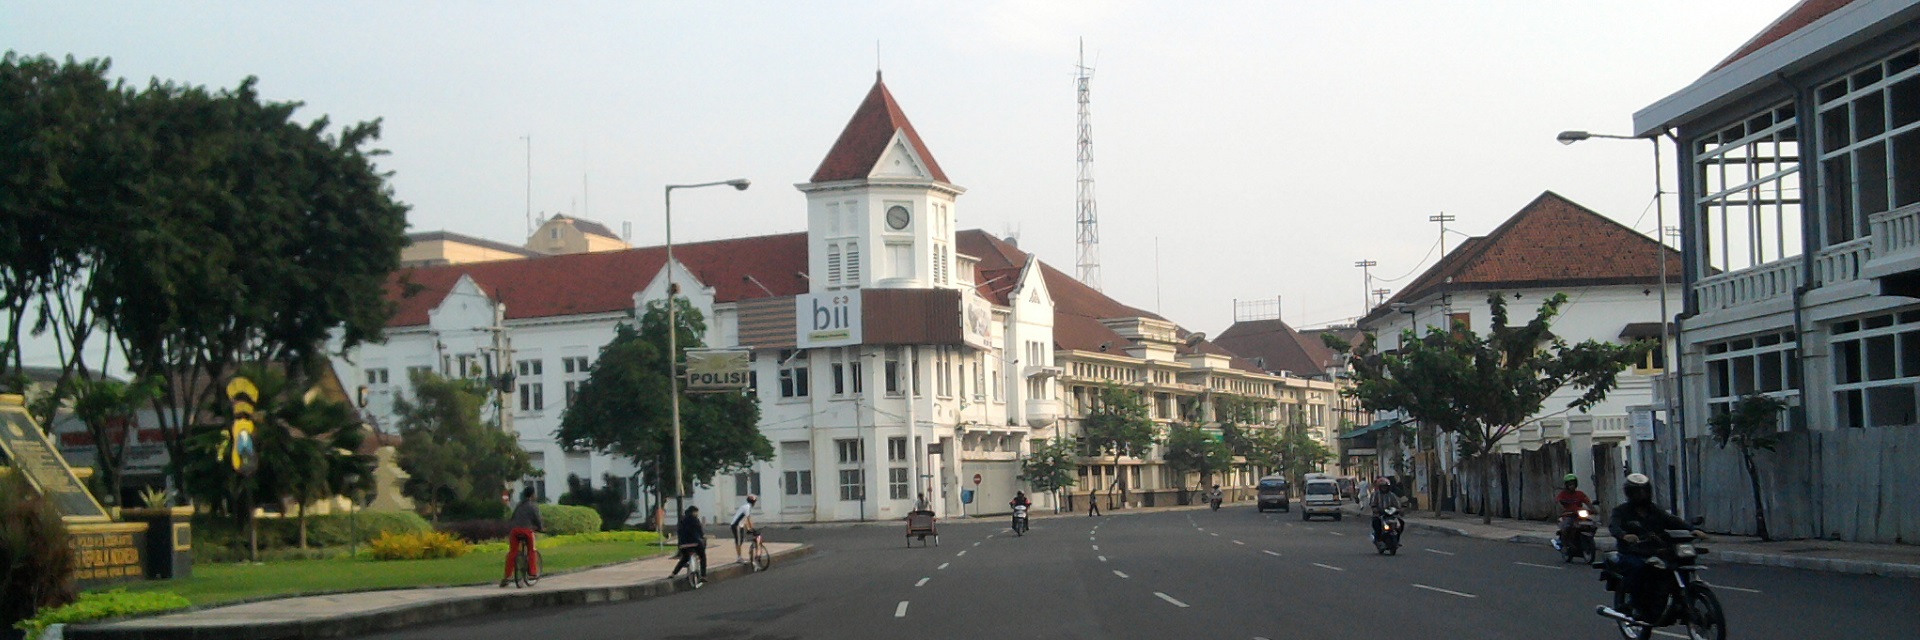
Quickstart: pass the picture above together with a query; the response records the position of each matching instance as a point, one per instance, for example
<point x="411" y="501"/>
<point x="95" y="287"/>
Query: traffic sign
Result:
<point x="976" y="479"/>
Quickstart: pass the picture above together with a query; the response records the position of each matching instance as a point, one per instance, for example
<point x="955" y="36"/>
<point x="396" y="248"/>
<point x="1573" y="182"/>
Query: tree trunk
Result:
<point x="1759" y="506"/>
<point x="1486" y="494"/>
<point x="303" y="524"/>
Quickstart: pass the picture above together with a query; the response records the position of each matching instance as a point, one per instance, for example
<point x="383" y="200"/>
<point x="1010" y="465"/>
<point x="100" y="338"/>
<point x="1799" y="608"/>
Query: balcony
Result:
<point x="1895" y="259"/>
<point x="1042" y="413"/>
<point x="1749" y="286"/>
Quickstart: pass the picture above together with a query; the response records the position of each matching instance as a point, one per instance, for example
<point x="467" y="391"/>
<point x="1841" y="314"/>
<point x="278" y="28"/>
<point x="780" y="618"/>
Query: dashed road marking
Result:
<point x="962" y="553"/>
<point x="976" y="544"/>
<point x="1336" y="533"/>
<point x="1444" y="553"/>
<point x="1216" y="535"/>
<point x="1239" y="542"/>
<point x="943" y="566"/>
<point x="900" y="611"/>
<point x="1445" y="591"/>
<point x="1170" y="599"/>
<point x="1096" y="547"/>
<point x="1328" y="566"/>
<point x="922" y="582"/>
<point x="1717" y="585"/>
<point x="1541" y="566"/>
<point x="1117" y="573"/>
<point x="1271" y="553"/>
<point x="1102" y="558"/>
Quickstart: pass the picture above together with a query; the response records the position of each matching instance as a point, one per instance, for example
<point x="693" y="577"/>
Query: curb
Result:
<point x="1829" y="565"/>
<point x="422" y="613"/>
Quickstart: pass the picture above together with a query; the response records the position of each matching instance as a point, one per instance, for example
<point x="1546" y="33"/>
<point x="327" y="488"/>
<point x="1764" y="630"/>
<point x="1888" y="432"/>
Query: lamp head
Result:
<point x="1570" y="137"/>
<point x="740" y="184"/>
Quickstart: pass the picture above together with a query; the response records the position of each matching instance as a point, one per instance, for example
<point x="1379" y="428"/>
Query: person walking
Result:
<point x="1093" y="503"/>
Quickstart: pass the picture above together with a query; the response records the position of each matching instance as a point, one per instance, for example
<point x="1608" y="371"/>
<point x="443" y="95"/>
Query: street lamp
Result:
<point x="673" y="336"/>
<point x="1669" y="386"/>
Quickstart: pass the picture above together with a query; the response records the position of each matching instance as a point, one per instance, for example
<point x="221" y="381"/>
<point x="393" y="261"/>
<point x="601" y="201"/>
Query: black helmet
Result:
<point x="1639" y="488"/>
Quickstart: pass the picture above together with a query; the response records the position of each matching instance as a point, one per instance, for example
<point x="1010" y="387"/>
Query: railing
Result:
<point x="1610" y="425"/>
<point x="1750" y="286"/>
<point x="1895" y="231"/>
<point x="1842" y="262"/>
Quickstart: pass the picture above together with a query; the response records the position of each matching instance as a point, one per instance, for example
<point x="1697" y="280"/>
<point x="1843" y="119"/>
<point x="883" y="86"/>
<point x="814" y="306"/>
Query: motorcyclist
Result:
<point x="1635" y="526"/>
<point x="1215" y="496"/>
<point x="1020" y="500"/>
<point x="1571" y="500"/>
<point x="1382" y="498"/>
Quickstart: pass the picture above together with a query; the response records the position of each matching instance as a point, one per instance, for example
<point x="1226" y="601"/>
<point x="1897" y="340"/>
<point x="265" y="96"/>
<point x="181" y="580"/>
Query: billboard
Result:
<point x="976" y="321"/>
<point x="829" y="319"/>
<point x="718" y="369"/>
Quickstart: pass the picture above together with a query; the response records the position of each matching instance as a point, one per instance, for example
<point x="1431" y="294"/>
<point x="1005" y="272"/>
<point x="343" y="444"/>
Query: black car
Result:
<point x="1275" y="493"/>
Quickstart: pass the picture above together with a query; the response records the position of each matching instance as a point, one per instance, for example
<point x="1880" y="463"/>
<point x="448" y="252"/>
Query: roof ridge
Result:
<point x="863" y="141"/>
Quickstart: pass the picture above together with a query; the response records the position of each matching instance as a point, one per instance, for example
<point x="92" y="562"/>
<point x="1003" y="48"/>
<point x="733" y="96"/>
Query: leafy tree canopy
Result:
<point x="1191" y="449"/>
<point x="453" y="456"/>
<point x="1051" y="466"/>
<point x="1118" y="424"/>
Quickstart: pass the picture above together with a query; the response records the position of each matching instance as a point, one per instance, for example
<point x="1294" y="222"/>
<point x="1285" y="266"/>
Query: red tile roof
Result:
<point x="1000" y="263"/>
<point x="603" y="282"/>
<point x="865" y="139"/>
<point x="1551" y="242"/>
<point x="1794" y="19"/>
<point x="1274" y="346"/>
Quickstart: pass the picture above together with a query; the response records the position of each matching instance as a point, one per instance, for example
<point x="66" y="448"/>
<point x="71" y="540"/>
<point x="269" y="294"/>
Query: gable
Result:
<point x="900" y="160"/>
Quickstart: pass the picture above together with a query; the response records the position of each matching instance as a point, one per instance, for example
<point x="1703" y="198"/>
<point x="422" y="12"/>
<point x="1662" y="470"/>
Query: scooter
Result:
<point x="1681" y="596"/>
<point x="1576" y="539"/>
<point x="1387" y="540"/>
<point x="1216" y="503"/>
<point x="1020" y="520"/>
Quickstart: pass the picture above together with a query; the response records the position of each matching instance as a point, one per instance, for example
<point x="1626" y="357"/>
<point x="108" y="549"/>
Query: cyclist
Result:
<point x="743" y="525"/>
<point x="693" y="540"/>
<point x="525" y="521"/>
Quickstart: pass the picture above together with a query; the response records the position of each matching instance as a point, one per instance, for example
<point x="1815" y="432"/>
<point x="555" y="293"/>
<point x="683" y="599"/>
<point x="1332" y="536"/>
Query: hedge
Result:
<point x="322" y="531"/>
<point x="550" y="542"/>
<point x="100" y="605"/>
<point x="476" y="531"/>
<point x="565" y="520"/>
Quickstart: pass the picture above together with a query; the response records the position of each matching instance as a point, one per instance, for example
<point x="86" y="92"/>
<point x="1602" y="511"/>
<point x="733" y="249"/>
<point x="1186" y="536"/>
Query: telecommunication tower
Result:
<point x="1088" y="218"/>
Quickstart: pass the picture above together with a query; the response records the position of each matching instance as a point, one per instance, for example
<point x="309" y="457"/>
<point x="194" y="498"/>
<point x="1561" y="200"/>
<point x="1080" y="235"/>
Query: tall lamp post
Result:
<point x="673" y="340"/>
<point x="1668" y="388"/>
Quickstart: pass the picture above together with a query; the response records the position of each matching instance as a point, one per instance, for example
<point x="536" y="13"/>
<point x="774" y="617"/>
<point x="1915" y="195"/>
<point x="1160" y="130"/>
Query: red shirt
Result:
<point x="1571" y="500"/>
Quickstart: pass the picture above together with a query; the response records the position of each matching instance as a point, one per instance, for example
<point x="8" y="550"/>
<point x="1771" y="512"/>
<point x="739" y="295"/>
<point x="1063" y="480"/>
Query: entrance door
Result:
<point x="796" y="478"/>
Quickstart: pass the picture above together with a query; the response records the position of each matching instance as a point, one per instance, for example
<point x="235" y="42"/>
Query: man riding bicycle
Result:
<point x="693" y="541"/>
<point x="743" y="526"/>
<point x="525" y="521"/>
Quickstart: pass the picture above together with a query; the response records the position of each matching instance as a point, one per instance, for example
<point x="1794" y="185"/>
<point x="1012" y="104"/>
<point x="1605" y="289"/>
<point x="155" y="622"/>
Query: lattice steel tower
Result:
<point x="1088" y="219"/>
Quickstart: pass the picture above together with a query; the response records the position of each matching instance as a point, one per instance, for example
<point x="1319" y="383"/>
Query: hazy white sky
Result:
<point x="1265" y="145"/>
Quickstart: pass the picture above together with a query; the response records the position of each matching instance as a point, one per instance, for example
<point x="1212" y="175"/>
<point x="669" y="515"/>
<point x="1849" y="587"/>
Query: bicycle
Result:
<point x="696" y="567"/>
<point x="758" y="556"/>
<point x="526" y="571"/>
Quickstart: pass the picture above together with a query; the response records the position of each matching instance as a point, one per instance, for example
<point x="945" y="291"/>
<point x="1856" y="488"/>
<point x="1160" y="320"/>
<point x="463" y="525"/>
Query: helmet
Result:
<point x="1571" y="478"/>
<point x="1639" y="488"/>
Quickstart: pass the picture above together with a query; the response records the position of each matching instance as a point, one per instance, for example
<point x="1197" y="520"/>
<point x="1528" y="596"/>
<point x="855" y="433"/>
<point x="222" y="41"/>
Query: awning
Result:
<point x="1638" y="330"/>
<point x="1376" y="426"/>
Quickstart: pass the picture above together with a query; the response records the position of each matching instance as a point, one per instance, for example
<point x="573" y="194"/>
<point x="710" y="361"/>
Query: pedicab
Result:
<point x="920" y="526"/>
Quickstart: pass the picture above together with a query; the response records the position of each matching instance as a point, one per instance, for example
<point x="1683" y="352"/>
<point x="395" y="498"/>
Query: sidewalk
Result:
<point x="1891" y="560"/>
<point x="352" y="614"/>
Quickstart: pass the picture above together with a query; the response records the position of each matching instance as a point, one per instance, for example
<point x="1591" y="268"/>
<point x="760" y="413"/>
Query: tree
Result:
<point x="1301" y="454"/>
<point x="622" y="408"/>
<point x="1191" y="449"/>
<point x="107" y="407"/>
<point x="613" y="507"/>
<point x="1482" y="389"/>
<point x="1050" y="467"/>
<point x="1118" y="423"/>
<point x="1750" y="425"/>
<point x="454" y="457"/>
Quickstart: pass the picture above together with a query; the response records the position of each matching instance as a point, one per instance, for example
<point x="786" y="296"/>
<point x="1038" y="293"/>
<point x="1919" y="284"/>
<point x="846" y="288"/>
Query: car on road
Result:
<point x="1275" y="493"/>
<point x="1322" y="497"/>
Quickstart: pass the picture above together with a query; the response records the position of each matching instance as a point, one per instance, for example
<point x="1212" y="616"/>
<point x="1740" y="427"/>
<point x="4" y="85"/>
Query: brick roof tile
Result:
<point x="865" y="139"/>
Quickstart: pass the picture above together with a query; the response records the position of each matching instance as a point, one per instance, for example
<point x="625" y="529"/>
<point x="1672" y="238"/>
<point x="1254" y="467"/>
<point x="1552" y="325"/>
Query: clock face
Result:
<point x="897" y="218"/>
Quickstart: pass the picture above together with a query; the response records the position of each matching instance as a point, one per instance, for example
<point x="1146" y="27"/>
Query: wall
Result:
<point x="1851" y="484"/>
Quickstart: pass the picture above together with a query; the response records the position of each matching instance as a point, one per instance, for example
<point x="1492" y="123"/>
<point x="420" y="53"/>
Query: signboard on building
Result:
<point x="718" y="369"/>
<point x="1642" y="424"/>
<point x="976" y="321"/>
<point x="828" y="319"/>
<point x="33" y="454"/>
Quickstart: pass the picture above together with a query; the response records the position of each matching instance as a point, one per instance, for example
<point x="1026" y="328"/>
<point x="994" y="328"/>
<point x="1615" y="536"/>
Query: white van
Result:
<point x="1322" y="497"/>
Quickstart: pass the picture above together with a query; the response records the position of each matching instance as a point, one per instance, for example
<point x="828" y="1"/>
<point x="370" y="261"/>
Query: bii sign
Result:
<point x="827" y="319"/>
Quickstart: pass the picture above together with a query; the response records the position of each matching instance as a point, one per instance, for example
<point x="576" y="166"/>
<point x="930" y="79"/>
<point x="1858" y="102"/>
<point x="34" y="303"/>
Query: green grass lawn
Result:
<point x="216" y="583"/>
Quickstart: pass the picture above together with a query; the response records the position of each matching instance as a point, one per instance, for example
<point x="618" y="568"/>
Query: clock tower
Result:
<point x="880" y="212"/>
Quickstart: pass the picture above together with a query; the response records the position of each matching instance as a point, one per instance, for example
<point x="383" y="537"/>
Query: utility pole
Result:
<point x="1443" y="219"/>
<point x="1366" y="273"/>
<point x="1381" y="295"/>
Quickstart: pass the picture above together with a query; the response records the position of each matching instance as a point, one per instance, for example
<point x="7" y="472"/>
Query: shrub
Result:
<point x="566" y="520"/>
<point x="100" y="605"/>
<point x="550" y="542"/>
<point x="424" y="545"/>
<point x="481" y="508"/>
<point x="36" y="565"/>
<point x="614" y="509"/>
<point x="221" y="539"/>
<point x="476" y="530"/>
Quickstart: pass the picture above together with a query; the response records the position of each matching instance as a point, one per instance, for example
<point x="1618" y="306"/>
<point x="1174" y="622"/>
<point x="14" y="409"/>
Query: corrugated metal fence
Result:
<point x="1851" y="484"/>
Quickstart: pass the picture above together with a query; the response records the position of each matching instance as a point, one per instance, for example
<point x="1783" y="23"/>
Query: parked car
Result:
<point x="1275" y="493"/>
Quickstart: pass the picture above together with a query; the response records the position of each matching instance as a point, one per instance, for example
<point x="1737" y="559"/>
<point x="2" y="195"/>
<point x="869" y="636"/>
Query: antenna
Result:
<point x="1443" y="219"/>
<point x="1088" y="218"/>
<point x="529" y="139"/>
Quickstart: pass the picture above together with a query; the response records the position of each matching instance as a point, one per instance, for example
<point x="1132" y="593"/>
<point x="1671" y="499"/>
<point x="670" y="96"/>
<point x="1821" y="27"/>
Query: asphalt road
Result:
<point x="1227" y="574"/>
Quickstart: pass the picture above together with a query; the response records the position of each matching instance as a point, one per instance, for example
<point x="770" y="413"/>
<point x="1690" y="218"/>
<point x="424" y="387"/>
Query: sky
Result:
<point x="1243" y="150"/>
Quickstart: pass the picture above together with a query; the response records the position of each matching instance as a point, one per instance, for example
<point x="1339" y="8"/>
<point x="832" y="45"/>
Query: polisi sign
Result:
<point x="718" y="370"/>
<point x="827" y="319"/>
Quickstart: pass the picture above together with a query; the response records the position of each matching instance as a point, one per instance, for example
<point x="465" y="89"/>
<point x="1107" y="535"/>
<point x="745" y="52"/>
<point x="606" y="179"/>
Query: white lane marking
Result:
<point x="922" y="582"/>
<point x="943" y="566"/>
<point x="1096" y="547"/>
<point x="1271" y="553"/>
<point x="962" y="553"/>
<point x="1289" y="524"/>
<point x="976" y="544"/>
<point x="1238" y="542"/>
<point x="1540" y="566"/>
<point x="1117" y="573"/>
<point x="1216" y="535"/>
<point x="1336" y="533"/>
<point x="1201" y="528"/>
<point x="1170" y="599"/>
<point x="1445" y="591"/>
<point x="1103" y="558"/>
<point x="1717" y="585"/>
<point x="900" y="611"/>
<point x="1444" y="553"/>
<point x="1328" y="566"/>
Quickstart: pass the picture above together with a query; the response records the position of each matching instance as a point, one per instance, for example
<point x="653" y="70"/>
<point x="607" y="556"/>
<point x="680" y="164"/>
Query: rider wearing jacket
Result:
<point x="1382" y="498"/>
<point x="1635" y="526"/>
<point x="1571" y="500"/>
<point x="1020" y="500"/>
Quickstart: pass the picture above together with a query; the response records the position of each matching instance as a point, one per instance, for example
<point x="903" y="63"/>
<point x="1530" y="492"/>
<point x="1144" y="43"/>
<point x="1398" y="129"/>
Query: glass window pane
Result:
<point x="1869" y="115"/>
<point x="1890" y="406"/>
<point x="1880" y="358"/>
<point x="1743" y="378"/>
<point x="1905" y="173"/>
<point x="1839" y="199"/>
<point x="1871" y="163"/>
<point x="1772" y="374"/>
<point x="1846" y="361"/>
<point x="1910" y="354"/>
<point x="1905" y="96"/>
<point x="1835" y="128"/>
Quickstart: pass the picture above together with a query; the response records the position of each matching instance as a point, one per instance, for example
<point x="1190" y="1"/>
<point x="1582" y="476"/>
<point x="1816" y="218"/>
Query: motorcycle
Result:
<point x="1576" y="538"/>
<point x="1680" y="596"/>
<point x="1386" y="541"/>
<point x="1020" y="520"/>
<point x="1216" y="501"/>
